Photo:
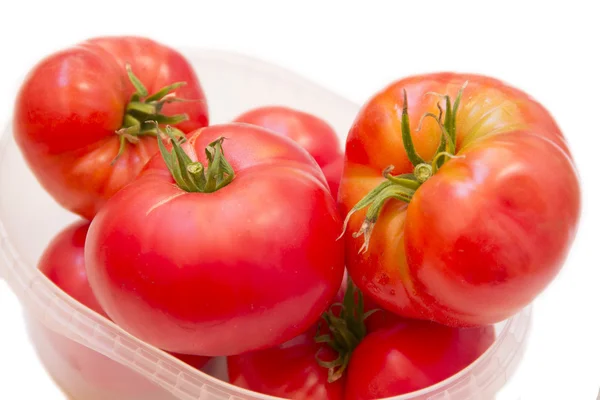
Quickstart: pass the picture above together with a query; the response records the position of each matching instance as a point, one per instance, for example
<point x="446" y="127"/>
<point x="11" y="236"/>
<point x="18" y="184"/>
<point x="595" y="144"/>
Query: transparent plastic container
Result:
<point x="91" y="358"/>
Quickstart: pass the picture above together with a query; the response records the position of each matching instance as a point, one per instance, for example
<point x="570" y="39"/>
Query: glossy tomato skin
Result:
<point x="484" y="235"/>
<point x="311" y="132"/>
<point x="71" y="104"/>
<point x="333" y="173"/>
<point x="288" y="371"/>
<point x="249" y="266"/>
<point x="397" y="356"/>
<point x="78" y="369"/>
<point x="411" y="355"/>
<point x="63" y="263"/>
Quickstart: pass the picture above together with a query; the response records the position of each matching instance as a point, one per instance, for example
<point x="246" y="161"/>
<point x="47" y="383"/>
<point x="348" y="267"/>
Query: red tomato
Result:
<point x="393" y="356"/>
<point x="485" y="230"/>
<point x="76" y="368"/>
<point x="410" y="356"/>
<point x="310" y="132"/>
<point x="63" y="263"/>
<point x="239" y="254"/>
<point x="288" y="371"/>
<point x="72" y="104"/>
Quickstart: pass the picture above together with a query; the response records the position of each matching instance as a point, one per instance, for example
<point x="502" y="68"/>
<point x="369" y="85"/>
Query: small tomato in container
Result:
<point x="81" y="115"/>
<point x="81" y="372"/>
<point x="288" y="371"/>
<point x="63" y="263"/>
<point x="360" y="355"/>
<point x="461" y="200"/>
<point x="412" y="355"/>
<point x="311" y="132"/>
<point x="224" y="244"/>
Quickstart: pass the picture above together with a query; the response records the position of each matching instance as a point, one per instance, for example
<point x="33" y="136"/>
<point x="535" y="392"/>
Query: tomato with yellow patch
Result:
<point x="461" y="199"/>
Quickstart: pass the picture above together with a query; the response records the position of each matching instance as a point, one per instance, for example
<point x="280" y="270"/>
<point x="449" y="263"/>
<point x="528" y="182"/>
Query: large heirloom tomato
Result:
<point x="461" y="201"/>
<point x="80" y="116"/>
<point x="310" y="132"/>
<point x="228" y="246"/>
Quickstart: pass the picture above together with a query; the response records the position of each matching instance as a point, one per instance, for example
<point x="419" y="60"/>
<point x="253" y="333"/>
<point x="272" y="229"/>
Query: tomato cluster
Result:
<point x="452" y="207"/>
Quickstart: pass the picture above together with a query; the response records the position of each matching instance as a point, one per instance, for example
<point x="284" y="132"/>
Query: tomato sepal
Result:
<point x="345" y="331"/>
<point x="403" y="187"/>
<point x="143" y="112"/>
<point x="191" y="176"/>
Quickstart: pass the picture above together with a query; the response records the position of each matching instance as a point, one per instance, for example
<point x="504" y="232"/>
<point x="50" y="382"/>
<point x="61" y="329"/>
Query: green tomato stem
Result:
<point x="141" y="108"/>
<point x="346" y="330"/>
<point x="406" y="135"/>
<point x="191" y="176"/>
<point x="140" y="89"/>
<point x="403" y="187"/>
<point x="143" y="112"/>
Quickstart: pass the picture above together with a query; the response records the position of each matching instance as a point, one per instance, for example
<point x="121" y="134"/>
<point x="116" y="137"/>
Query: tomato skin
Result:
<point x="71" y="104"/>
<point x="64" y="264"/>
<point x="288" y="371"/>
<point x="533" y="225"/>
<point x="333" y="173"/>
<point x="249" y="266"/>
<point x="410" y="356"/>
<point x="74" y="366"/>
<point x="312" y="133"/>
<point x="397" y="356"/>
<point x="489" y="231"/>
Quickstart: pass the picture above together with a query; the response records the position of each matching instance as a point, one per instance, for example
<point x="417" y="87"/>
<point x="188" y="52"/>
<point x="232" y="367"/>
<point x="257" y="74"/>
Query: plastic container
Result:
<point x="91" y="358"/>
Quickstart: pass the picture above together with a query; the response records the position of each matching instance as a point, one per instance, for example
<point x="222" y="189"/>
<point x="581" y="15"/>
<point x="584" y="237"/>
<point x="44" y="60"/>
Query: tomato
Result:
<point x="80" y="121"/>
<point x="288" y="371"/>
<point x="239" y="252"/>
<point x="63" y="263"/>
<point x="410" y="356"/>
<point x="78" y="369"/>
<point x="312" y="133"/>
<point x="392" y="356"/>
<point x="464" y="227"/>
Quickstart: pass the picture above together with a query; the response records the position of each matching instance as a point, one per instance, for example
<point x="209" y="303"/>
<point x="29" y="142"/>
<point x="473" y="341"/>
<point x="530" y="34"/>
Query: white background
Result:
<point x="355" y="49"/>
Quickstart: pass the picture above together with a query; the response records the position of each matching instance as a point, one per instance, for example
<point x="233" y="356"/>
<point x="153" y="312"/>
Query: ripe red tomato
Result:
<point x="63" y="263"/>
<point x="80" y="371"/>
<point x="72" y="104"/>
<point x="486" y="228"/>
<point x="235" y="254"/>
<point x="393" y="356"/>
<point x="310" y="132"/>
<point x="410" y="356"/>
<point x="289" y="371"/>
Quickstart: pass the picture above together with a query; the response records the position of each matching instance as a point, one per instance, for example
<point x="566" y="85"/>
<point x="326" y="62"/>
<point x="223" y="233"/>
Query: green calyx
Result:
<point x="403" y="187"/>
<point x="191" y="176"/>
<point x="346" y="330"/>
<point x="144" y="110"/>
